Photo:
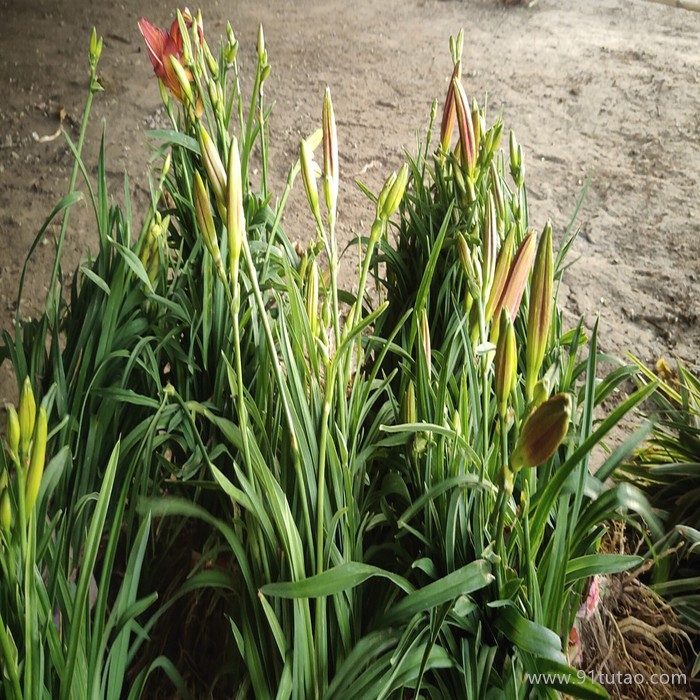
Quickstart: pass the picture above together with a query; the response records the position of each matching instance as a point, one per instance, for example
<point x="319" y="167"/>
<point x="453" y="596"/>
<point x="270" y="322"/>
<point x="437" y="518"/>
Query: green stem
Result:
<point x="73" y="178"/>
<point x="9" y="665"/>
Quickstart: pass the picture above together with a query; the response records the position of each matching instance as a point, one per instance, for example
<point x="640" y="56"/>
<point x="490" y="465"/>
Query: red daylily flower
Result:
<point x="161" y="45"/>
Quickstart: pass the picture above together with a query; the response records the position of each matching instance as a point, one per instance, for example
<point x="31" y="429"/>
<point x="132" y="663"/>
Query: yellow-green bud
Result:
<point x="308" y="175"/>
<point x="312" y="298"/>
<point x="182" y="78"/>
<point x="37" y="460"/>
<point x="13" y="431"/>
<point x="235" y="215"/>
<point x="425" y="340"/>
<point x="262" y="54"/>
<point x="27" y="416"/>
<point x="505" y="363"/>
<point x="543" y="432"/>
<point x="6" y="512"/>
<point x="395" y="194"/>
<point x="408" y="405"/>
<point x="489" y="247"/>
<point x="541" y="392"/>
<point x="213" y="165"/>
<point x="540" y="312"/>
<point x="476" y="124"/>
<point x="331" y="176"/>
<point x="205" y="220"/>
<point x="211" y="61"/>
<point x="95" y="48"/>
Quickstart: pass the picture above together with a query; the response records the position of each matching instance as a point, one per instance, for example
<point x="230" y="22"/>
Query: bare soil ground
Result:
<point x="607" y="90"/>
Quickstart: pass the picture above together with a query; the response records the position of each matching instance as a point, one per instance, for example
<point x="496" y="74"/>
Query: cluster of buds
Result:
<point x="26" y="447"/>
<point x="152" y="245"/>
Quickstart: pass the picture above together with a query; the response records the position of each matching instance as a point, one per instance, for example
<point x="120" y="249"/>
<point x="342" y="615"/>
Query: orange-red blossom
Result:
<point x="162" y="45"/>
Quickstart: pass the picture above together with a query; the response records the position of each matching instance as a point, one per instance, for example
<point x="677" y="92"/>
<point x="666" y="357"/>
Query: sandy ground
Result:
<point x="606" y="89"/>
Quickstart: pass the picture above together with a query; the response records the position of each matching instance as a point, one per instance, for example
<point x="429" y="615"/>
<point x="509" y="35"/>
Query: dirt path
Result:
<point x="608" y="89"/>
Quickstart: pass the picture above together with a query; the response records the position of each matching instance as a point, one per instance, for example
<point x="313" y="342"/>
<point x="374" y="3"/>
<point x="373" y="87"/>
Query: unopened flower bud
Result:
<point x="543" y="432"/>
<point x="500" y="275"/>
<point x="216" y="173"/>
<point x="505" y="363"/>
<point x="466" y="128"/>
<point x="517" y="277"/>
<point x="262" y="54"/>
<point x="205" y="220"/>
<point x="312" y="298"/>
<point x="6" y="512"/>
<point x="95" y="48"/>
<point x="212" y="63"/>
<point x="308" y="175"/>
<point x="408" y="404"/>
<point x="395" y="194"/>
<point x="476" y="124"/>
<point x="489" y="247"/>
<point x="331" y="177"/>
<point x="541" y="392"/>
<point x="37" y="460"/>
<point x="235" y="215"/>
<point x="12" y="432"/>
<point x="182" y="78"/>
<point x="425" y="340"/>
<point x="540" y="312"/>
<point x="450" y="112"/>
<point x="27" y="416"/>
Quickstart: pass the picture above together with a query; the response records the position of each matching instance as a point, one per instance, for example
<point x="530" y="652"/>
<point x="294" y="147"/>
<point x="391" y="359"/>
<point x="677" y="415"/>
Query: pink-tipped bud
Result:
<point x="466" y="128"/>
<point x="543" y="432"/>
<point x="540" y="312"/>
<point x="450" y="112"/>
<point x="517" y="278"/>
<point x="500" y="276"/>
